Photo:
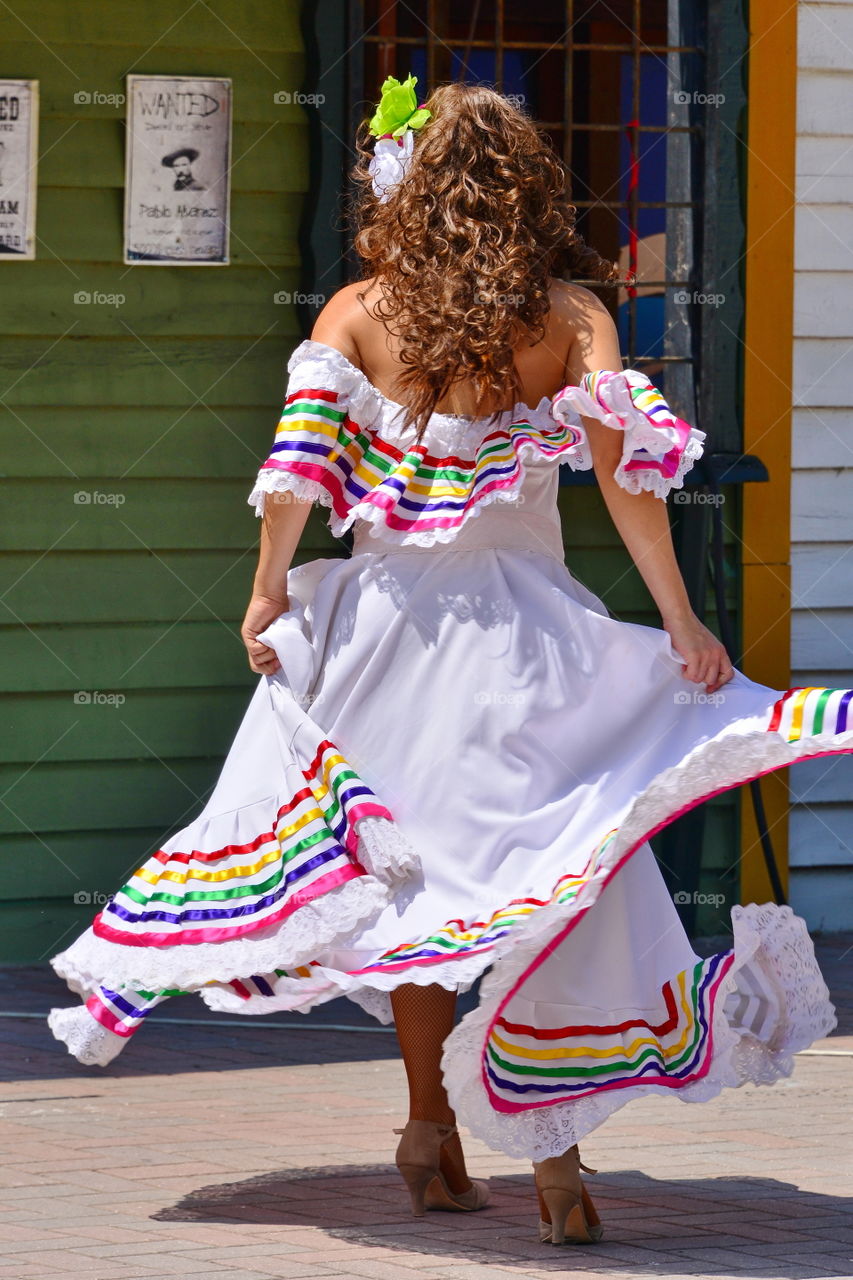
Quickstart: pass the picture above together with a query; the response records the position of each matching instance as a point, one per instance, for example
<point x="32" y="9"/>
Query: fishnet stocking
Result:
<point x="424" y="1017"/>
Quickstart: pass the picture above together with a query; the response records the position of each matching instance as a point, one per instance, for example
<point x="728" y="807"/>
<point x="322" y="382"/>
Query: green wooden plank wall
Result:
<point x="170" y="401"/>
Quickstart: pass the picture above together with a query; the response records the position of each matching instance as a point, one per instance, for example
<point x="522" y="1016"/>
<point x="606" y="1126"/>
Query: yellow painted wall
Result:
<point x="768" y="358"/>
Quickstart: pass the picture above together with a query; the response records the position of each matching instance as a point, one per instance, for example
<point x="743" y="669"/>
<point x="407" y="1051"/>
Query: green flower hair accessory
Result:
<point x="398" y="109"/>
<point x="396" y="116"/>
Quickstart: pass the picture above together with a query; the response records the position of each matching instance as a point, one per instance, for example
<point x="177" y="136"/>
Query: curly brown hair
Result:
<point x="463" y="250"/>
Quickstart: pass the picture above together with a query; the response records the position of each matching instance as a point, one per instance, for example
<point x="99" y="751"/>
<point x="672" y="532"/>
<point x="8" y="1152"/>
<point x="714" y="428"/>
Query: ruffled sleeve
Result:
<point x="341" y="442"/>
<point x="659" y="448"/>
<point x="322" y="435"/>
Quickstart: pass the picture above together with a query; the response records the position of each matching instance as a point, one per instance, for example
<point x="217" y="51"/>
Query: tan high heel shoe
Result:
<point x="562" y="1194"/>
<point x="418" y="1159"/>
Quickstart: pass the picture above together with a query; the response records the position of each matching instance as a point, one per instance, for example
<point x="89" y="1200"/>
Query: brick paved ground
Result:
<point x="250" y="1151"/>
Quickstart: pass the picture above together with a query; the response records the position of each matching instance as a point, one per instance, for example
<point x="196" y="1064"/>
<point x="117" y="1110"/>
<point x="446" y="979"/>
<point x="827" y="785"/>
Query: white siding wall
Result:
<point x="821" y="824"/>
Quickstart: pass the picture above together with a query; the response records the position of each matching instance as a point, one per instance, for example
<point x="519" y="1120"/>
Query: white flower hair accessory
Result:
<point x="397" y="115"/>
<point x="391" y="157"/>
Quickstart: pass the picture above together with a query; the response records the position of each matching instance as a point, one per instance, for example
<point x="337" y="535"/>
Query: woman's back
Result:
<point x="349" y="323"/>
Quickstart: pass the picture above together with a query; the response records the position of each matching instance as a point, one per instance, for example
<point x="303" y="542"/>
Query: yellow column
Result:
<point x="768" y="367"/>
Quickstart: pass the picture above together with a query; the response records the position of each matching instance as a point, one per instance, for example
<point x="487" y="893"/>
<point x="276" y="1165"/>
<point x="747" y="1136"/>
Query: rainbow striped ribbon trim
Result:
<point x="810" y="709"/>
<point x="526" y="1067"/>
<point x="210" y="896"/>
<point x="456" y="938"/>
<point x="124" y="1011"/>
<point x="317" y="439"/>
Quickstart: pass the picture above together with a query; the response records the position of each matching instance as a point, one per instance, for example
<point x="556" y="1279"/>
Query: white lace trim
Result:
<point x="327" y="922"/>
<point x="87" y="1040"/>
<point x="635" y="481"/>
<point x="286" y="481"/>
<point x="385" y="852"/>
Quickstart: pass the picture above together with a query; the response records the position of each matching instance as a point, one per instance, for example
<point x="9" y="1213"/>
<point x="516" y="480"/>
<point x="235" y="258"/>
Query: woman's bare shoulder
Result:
<point x="342" y="320"/>
<point x="582" y="315"/>
<point x="573" y="301"/>
<point x="585" y="324"/>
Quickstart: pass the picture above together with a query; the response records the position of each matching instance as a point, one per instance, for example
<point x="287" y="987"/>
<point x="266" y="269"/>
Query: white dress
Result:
<point x="457" y="769"/>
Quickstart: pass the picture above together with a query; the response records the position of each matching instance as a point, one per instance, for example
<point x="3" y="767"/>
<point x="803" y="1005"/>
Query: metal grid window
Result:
<point x="606" y="81"/>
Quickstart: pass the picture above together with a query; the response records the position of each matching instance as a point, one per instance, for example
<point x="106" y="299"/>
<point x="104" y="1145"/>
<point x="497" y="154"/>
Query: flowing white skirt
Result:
<point x="456" y="769"/>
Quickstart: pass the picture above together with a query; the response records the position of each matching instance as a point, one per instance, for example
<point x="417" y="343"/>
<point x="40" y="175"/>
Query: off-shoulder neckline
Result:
<point x="461" y="418"/>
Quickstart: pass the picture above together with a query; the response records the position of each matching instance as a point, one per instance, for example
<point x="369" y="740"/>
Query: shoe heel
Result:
<point x="558" y="1202"/>
<point x="417" y="1179"/>
<point x="577" y="1230"/>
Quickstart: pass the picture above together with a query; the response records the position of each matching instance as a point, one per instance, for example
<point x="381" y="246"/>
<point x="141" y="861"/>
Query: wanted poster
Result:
<point x="18" y="165"/>
<point x="177" y="170"/>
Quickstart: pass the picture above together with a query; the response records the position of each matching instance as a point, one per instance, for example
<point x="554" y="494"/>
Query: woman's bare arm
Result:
<point x="642" y="519"/>
<point x="282" y="524"/>
<point x="285" y="515"/>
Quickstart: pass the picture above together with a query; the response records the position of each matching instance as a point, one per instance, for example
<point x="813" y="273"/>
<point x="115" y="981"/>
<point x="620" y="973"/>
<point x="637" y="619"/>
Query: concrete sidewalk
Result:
<point x="247" y="1151"/>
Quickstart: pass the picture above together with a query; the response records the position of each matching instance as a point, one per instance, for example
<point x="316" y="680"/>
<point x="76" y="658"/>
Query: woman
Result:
<point x="454" y="749"/>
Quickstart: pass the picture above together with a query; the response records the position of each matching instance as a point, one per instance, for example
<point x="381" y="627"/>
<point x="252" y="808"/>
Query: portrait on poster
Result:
<point x="18" y="164"/>
<point x="177" y="170"/>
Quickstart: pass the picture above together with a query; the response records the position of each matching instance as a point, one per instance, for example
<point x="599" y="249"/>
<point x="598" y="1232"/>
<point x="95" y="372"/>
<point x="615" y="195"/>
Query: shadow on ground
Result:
<point x="367" y="1206"/>
<point x="184" y="1035"/>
